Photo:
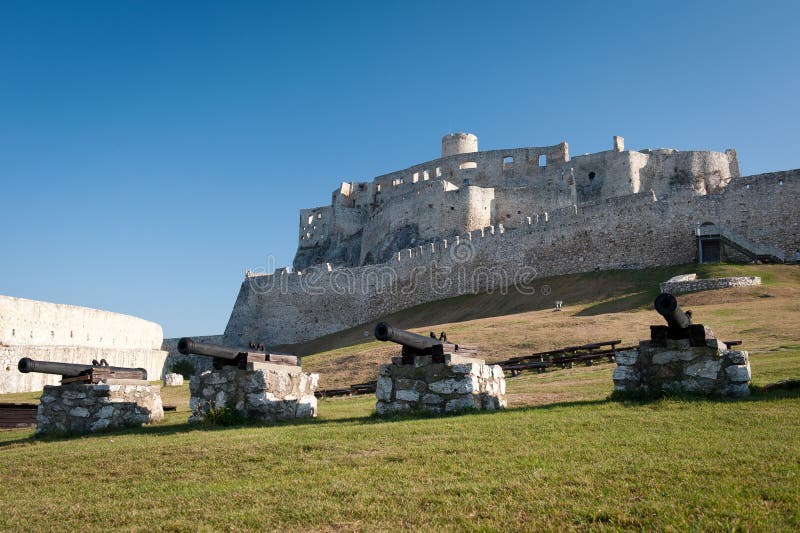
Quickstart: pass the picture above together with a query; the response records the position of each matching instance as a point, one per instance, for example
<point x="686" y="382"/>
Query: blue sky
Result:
<point x="150" y="152"/>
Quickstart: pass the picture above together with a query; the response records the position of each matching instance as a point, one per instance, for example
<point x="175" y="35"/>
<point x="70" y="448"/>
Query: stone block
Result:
<point x="706" y="369"/>
<point x="678" y="344"/>
<point x="735" y="357"/>
<point x="737" y="389"/>
<point x="467" y="368"/>
<point x="465" y="385"/>
<point x="383" y="390"/>
<point x="738" y="373"/>
<point x="627" y="357"/>
<point x="422" y="360"/>
<point x="173" y="380"/>
<point x="406" y="395"/>
<point x="461" y="403"/>
<point x="663" y="357"/>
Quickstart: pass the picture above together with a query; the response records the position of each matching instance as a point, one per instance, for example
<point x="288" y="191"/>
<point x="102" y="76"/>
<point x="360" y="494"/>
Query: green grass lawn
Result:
<point x="562" y="457"/>
<point x="583" y="464"/>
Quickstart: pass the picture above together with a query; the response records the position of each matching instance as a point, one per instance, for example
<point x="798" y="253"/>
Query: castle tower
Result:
<point x="459" y="143"/>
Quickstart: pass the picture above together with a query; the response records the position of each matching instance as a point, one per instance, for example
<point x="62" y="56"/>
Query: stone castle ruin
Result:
<point x="466" y="190"/>
<point x="475" y="221"/>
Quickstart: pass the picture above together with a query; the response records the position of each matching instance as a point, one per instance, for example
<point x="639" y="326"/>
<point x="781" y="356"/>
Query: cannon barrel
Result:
<point x="667" y="306"/>
<point x="188" y="346"/>
<point x="27" y="365"/>
<point x="385" y="332"/>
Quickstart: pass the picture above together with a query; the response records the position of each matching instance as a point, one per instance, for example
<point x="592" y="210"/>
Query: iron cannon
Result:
<point x="667" y="306"/>
<point x="679" y="323"/>
<point x="95" y="372"/>
<point x="226" y="355"/>
<point x="414" y="344"/>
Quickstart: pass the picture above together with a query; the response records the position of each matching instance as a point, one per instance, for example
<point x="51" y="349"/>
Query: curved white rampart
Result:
<point x="71" y="334"/>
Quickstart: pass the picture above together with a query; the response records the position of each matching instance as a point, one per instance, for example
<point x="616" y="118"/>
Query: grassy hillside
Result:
<point x="562" y="457"/>
<point x="597" y="307"/>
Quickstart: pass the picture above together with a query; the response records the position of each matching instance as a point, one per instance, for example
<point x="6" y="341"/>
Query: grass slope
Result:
<point x="563" y="457"/>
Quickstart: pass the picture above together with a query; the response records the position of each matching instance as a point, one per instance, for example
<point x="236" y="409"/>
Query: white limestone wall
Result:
<point x="71" y="334"/>
<point x="635" y="231"/>
<point x="35" y="323"/>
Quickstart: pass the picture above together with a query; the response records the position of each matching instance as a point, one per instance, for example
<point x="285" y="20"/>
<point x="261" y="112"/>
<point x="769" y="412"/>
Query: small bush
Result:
<point x="223" y="416"/>
<point x="184" y="367"/>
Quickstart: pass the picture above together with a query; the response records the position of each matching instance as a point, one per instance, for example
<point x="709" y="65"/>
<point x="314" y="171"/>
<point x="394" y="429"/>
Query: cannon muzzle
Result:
<point x="70" y="370"/>
<point x="667" y="306"/>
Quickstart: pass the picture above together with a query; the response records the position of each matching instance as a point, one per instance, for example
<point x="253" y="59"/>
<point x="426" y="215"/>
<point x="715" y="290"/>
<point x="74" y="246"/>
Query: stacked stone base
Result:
<point x="85" y="408"/>
<point x="679" y="367"/>
<point x="460" y="383"/>
<point x="264" y="392"/>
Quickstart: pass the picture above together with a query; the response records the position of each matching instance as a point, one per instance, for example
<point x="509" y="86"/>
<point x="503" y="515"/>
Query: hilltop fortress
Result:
<point x="474" y="221"/>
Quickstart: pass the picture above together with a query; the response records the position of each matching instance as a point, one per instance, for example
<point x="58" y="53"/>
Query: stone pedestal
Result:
<point x="263" y="392"/>
<point x="84" y="408"/>
<point x="676" y="366"/>
<point x="457" y="384"/>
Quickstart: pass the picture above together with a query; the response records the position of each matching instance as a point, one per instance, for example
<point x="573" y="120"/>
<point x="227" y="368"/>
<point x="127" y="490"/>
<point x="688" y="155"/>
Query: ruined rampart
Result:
<point x="633" y="231"/>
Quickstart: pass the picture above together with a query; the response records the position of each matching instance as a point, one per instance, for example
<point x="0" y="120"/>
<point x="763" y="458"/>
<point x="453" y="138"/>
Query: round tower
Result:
<point x="459" y="143"/>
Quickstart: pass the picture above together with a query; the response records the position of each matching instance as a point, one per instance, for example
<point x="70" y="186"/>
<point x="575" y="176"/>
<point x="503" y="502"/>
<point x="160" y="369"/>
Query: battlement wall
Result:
<point x="367" y="221"/>
<point x="634" y="231"/>
<point x="484" y="168"/>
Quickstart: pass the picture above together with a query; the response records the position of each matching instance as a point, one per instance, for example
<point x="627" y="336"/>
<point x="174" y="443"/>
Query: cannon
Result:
<point x="667" y="306"/>
<point x="227" y="356"/>
<point x="679" y="323"/>
<point x="414" y="344"/>
<point x="97" y="372"/>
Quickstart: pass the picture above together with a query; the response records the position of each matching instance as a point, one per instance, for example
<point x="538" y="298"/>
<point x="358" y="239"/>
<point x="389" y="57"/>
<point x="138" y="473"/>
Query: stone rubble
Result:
<point x="173" y="380"/>
<point x="85" y="408"/>
<point x="457" y="384"/>
<point x="689" y="283"/>
<point x="265" y="392"/>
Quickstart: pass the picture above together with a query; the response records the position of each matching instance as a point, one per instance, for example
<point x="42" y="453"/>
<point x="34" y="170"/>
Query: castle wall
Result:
<point x="420" y="215"/>
<point x="633" y="231"/>
<point x="71" y="334"/>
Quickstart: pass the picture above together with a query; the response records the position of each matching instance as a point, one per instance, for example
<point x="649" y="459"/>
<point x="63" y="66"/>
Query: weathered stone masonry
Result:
<point x="457" y="384"/>
<point x="84" y="408"/>
<point x="263" y="392"/>
<point x="635" y="231"/>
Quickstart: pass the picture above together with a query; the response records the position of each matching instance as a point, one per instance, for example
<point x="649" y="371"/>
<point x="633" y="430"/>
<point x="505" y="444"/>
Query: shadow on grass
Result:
<point x="788" y="389"/>
<point x="630" y="302"/>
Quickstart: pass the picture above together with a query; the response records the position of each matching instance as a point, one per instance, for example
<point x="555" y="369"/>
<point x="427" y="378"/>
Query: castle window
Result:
<point x="425" y="175"/>
<point x="430" y="206"/>
<point x="319" y="215"/>
<point x="378" y="188"/>
<point x="452" y="208"/>
<point x="508" y="215"/>
<point x="543" y="160"/>
<point x="591" y="176"/>
<point x="508" y="162"/>
<point x="467" y="181"/>
<point x="438" y="172"/>
<point x="467" y="165"/>
<point x="310" y="219"/>
<point x="415" y="177"/>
